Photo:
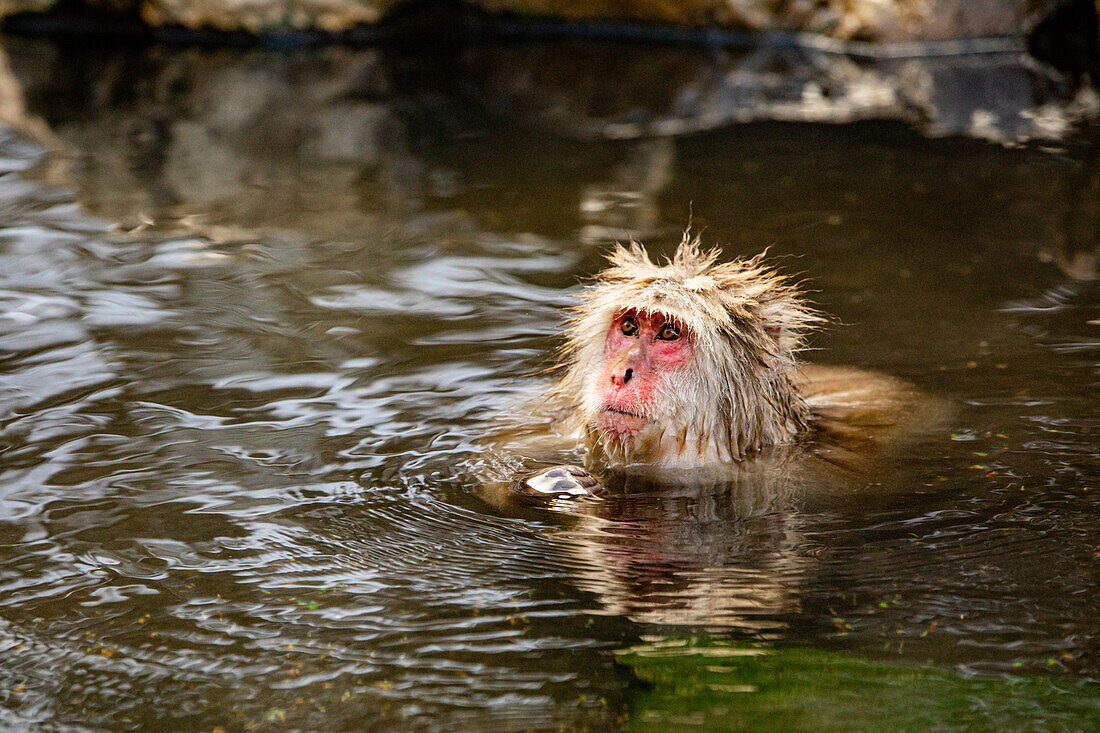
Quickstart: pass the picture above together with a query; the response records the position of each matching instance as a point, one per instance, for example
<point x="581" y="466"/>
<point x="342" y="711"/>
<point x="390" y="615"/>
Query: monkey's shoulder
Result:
<point x="855" y="393"/>
<point x="863" y="412"/>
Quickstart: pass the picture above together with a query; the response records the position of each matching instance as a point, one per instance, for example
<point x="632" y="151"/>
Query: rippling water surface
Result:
<point x="258" y="309"/>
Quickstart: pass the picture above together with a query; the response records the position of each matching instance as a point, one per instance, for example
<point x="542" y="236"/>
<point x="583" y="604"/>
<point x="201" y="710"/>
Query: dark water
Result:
<point x="258" y="309"/>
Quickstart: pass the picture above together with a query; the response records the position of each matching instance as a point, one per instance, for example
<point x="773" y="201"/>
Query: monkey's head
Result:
<point x="687" y="363"/>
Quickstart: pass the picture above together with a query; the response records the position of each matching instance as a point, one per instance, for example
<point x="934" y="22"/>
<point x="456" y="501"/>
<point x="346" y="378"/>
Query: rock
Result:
<point x="259" y="15"/>
<point x="864" y="20"/>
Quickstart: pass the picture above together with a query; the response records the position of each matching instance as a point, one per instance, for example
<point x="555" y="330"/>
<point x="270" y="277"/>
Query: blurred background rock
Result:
<point x="874" y="20"/>
<point x="185" y="111"/>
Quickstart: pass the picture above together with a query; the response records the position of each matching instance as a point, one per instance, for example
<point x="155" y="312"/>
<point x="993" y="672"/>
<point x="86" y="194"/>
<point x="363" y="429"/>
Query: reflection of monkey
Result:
<point x="689" y="371"/>
<point x="720" y="556"/>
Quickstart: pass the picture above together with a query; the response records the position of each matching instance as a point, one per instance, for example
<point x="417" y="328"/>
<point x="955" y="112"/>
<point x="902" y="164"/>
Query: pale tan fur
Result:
<point x="747" y="324"/>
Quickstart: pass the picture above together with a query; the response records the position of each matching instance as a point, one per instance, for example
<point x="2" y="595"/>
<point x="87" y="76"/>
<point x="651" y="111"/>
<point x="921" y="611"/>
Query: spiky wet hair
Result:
<point x="747" y="324"/>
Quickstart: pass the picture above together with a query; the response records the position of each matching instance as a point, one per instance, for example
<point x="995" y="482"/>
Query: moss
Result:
<point x="705" y="685"/>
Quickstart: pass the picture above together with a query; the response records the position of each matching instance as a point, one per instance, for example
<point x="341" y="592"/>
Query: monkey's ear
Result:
<point x="781" y="340"/>
<point x="771" y="317"/>
<point x="782" y="321"/>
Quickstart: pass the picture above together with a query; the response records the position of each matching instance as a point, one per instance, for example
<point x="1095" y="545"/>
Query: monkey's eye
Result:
<point x="629" y="326"/>
<point x="668" y="332"/>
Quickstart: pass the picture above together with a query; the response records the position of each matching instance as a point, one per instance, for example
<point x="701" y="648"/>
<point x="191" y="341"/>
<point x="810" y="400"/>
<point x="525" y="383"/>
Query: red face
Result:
<point x="641" y="351"/>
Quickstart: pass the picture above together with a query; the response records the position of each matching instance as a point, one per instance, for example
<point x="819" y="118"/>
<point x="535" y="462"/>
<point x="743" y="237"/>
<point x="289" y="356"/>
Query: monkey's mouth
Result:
<point x="619" y="411"/>
<point x="619" y="422"/>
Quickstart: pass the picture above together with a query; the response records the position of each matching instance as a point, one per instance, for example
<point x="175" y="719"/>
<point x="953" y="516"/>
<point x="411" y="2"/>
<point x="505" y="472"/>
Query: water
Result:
<point x="259" y="308"/>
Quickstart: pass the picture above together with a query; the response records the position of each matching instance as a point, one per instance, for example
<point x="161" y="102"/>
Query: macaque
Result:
<point x="707" y="447"/>
<point x="689" y="371"/>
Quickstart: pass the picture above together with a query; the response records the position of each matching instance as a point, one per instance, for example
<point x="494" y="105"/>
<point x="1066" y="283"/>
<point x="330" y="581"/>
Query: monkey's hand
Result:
<point x="561" y="481"/>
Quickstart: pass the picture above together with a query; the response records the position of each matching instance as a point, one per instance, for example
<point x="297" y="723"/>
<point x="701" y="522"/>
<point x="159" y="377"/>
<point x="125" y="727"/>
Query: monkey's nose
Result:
<point x="626" y="377"/>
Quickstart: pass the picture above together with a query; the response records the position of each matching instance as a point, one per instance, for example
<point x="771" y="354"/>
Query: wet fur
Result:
<point x="737" y="396"/>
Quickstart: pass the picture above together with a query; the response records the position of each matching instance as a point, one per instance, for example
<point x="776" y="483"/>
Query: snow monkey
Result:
<point x="683" y="411"/>
<point x="690" y="368"/>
